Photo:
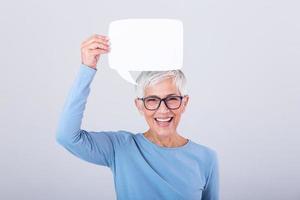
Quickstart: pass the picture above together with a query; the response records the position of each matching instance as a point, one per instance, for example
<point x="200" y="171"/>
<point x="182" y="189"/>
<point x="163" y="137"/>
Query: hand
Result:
<point x="92" y="48"/>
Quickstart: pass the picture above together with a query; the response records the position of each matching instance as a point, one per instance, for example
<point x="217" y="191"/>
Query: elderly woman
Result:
<point x="157" y="164"/>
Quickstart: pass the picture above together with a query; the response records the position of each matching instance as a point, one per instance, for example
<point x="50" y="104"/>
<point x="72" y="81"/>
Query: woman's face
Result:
<point x="157" y="119"/>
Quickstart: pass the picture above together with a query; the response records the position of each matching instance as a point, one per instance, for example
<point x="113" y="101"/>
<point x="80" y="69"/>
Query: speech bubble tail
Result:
<point x="127" y="76"/>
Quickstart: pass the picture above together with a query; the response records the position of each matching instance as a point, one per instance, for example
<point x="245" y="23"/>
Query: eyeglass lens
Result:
<point x="173" y="102"/>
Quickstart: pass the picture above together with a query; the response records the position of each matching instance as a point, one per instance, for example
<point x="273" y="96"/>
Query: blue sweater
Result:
<point x="142" y="170"/>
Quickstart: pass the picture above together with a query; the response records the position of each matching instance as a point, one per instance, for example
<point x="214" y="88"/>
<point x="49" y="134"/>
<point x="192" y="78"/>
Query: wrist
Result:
<point x="89" y="66"/>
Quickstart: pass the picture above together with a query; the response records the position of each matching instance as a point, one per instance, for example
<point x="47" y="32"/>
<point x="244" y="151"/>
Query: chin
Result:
<point x="162" y="128"/>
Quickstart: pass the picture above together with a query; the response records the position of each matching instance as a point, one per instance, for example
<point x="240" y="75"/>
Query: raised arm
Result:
<point x="94" y="147"/>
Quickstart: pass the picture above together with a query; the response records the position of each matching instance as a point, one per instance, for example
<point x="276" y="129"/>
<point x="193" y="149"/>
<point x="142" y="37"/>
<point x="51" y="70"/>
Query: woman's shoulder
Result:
<point x="203" y="151"/>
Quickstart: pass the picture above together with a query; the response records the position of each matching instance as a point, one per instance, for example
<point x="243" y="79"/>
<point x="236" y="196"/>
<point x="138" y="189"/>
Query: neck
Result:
<point x="172" y="140"/>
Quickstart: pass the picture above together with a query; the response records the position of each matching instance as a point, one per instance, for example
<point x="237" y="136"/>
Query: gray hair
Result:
<point x="148" y="78"/>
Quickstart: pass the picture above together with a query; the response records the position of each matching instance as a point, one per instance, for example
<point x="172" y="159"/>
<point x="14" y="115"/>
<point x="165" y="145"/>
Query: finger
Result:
<point x="85" y="41"/>
<point x="95" y="41"/>
<point x="95" y="38"/>
<point x="98" y="51"/>
<point x="97" y="45"/>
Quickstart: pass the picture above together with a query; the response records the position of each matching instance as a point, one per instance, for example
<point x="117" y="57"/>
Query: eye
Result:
<point x="151" y="100"/>
<point x="173" y="98"/>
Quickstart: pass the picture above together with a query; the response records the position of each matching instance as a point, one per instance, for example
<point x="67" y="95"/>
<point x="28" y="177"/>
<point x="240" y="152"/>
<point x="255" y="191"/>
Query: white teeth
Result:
<point x="163" y="119"/>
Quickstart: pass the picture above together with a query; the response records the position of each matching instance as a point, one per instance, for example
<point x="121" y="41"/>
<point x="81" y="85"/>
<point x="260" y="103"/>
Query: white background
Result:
<point x="242" y="62"/>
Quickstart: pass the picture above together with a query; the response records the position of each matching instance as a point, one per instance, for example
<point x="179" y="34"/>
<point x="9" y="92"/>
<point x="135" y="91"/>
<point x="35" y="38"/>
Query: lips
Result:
<point x="163" y="121"/>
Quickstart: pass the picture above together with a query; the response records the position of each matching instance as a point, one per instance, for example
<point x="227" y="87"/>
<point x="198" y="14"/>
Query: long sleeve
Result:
<point x="94" y="147"/>
<point x="211" y="191"/>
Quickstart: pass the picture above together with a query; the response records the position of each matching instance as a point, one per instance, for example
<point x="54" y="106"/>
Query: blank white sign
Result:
<point x="145" y="44"/>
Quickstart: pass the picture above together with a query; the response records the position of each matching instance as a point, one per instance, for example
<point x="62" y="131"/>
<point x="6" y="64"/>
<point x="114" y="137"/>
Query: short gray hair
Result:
<point x="148" y="78"/>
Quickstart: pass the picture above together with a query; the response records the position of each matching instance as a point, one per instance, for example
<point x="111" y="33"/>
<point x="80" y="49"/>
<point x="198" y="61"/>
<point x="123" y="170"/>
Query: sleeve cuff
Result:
<point x="87" y="72"/>
<point x="86" y="66"/>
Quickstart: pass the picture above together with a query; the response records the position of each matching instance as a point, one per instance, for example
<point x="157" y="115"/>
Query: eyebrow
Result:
<point x="172" y="94"/>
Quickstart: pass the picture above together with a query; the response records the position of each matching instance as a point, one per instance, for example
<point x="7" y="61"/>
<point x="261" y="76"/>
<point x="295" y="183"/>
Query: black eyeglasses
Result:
<point x="153" y="102"/>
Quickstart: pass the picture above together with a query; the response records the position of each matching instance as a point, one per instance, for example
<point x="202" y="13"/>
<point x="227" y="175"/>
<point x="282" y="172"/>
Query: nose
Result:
<point x="163" y="107"/>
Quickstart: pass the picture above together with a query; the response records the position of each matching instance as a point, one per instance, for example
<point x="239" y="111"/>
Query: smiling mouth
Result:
<point x="163" y="121"/>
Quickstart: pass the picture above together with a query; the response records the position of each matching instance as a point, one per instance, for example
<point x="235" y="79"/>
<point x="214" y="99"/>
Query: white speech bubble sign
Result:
<point x="145" y="45"/>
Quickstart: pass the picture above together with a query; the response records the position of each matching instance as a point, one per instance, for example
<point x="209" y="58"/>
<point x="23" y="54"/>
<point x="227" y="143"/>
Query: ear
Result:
<point x="139" y="106"/>
<point x="185" y="101"/>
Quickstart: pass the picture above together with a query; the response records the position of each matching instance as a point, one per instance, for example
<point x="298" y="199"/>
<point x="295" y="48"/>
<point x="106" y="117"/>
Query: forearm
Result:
<point x="72" y="113"/>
